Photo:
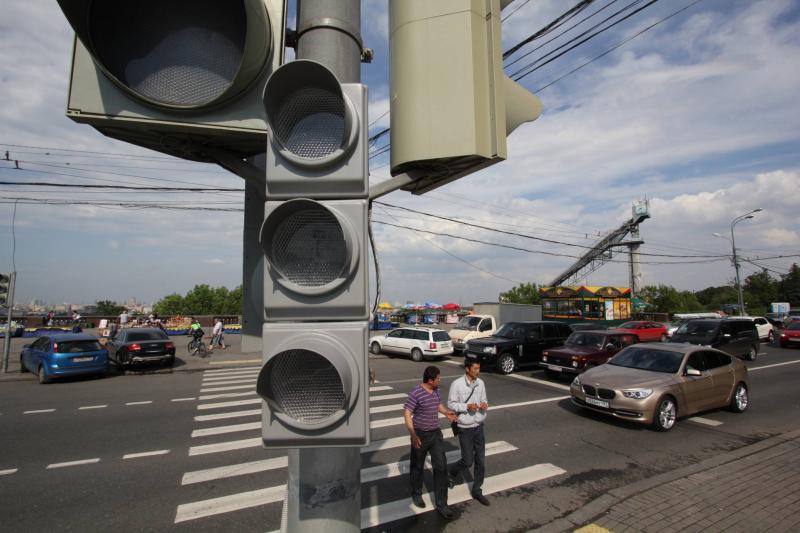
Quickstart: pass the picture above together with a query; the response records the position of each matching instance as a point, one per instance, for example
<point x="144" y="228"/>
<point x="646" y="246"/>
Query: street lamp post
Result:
<point x="735" y="258"/>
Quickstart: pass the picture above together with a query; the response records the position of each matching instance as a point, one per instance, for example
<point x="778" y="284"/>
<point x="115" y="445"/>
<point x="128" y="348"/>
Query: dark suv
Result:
<point x="735" y="337"/>
<point x="517" y="342"/>
<point x="585" y="349"/>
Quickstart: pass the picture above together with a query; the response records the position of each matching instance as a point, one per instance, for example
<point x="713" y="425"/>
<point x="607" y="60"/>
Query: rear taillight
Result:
<point x="55" y="347"/>
<point x="170" y="346"/>
<point x="433" y="346"/>
<point x="134" y="348"/>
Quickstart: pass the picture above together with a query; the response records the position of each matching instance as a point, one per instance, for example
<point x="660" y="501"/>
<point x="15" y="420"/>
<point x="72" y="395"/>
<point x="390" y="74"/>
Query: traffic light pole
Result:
<point x="10" y="303"/>
<point x="324" y="485"/>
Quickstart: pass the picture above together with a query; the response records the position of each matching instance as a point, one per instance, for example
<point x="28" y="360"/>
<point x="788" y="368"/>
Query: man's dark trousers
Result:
<point x="433" y="442"/>
<point x="473" y="449"/>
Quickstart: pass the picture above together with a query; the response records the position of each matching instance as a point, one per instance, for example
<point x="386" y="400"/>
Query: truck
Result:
<point x="779" y="308"/>
<point x="486" y="317"/>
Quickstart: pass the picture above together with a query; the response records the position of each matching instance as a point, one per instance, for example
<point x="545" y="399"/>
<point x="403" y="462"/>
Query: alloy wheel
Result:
<point x="666" y="414"/>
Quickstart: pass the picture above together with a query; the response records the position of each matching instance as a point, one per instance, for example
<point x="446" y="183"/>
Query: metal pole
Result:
<point x="10" y="302"/>
<point x="324" y="485"/>
<point x="736" y="268"/>
<point x="253" y="261"/>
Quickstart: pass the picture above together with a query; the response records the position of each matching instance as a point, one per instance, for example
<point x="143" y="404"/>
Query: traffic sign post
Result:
<point x="7" y="282"/>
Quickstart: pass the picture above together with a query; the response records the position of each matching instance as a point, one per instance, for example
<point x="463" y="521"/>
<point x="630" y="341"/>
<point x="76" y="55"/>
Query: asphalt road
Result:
<point x="155" y="452"/>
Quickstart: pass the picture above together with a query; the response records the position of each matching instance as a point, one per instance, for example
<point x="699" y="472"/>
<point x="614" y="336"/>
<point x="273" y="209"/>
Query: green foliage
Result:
<point x="666" y="299"/>
<point x="202" y="300"/>
<point x="108" y="308"/>
<point x="759" y="290"/>
<point x="713" y="298"/>
<point x="525" y="293"/>
<point x="789" y="286"/>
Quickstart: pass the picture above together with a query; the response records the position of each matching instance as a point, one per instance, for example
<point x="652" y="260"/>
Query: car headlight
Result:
<point x="577" y="381"/>
<point x="544" y="358"/>
<point x="637" y="394"/>
<point x="490" y="349"/>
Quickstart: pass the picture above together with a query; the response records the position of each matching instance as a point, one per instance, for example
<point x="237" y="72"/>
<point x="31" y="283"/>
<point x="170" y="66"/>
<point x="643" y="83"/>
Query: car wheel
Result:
<point x="416" y="355"/>
<point x="665" y="415"/>
<point x="22" y="368"/>
<point x="375" y="348"/>
<point x="43" y="376"/>
<point x="170" y="361"/>
<point x="663" y="337"/>
<point x="119" y="364"/>
<point x="506" y="364"/>
<point x="753" y="353"/>
<point x="740" y="399"/>
<point x="770" y="337"/>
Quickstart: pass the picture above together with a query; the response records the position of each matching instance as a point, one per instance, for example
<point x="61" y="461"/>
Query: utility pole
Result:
<point x="10" y="303"/>
<point x="735" y="221"/>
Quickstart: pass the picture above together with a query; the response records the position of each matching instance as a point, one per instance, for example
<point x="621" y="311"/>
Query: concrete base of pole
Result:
<point x="324" y="491"/>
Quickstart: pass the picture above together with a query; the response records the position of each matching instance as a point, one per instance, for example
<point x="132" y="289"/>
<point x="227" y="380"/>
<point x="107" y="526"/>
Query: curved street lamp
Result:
<point x="735" y="258"/>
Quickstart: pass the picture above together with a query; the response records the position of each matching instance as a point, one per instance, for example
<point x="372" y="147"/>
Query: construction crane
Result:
<point x="602" y="252"/>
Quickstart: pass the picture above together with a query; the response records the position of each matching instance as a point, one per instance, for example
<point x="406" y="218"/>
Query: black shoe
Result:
<point x="445" y="511"/>
<point x="417" y="499"/>
<point x="482" y="499"/>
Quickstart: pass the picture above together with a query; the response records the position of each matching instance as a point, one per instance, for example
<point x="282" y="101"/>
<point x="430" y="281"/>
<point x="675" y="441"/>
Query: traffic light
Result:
<point x="183" y="77"/>
<point x="5" y="283"/>
<point x="314" y="380"/>
<point x="451" y="105"/>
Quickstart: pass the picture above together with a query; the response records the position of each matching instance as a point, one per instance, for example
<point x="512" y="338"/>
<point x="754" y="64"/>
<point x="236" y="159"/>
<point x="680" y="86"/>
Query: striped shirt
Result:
<point x="424" y="408"/>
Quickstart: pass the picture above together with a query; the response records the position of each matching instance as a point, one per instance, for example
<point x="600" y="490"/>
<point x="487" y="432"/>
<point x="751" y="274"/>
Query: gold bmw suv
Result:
<point x="655" y="384"/>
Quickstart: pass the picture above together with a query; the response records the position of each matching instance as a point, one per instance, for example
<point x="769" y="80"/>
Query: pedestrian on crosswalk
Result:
<point x="467" y="398"/>
<point x="421" y="413"/>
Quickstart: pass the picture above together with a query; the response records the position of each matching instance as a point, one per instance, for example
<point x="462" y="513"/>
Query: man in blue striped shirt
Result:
<point x="421" y="412"/>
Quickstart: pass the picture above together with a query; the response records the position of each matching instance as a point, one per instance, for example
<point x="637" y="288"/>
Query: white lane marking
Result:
<point x="232" y="387"/>
<point x="183" y="399"/>
<point x="386" y="422"/>
<point x="705" y="421"/>
<point x="389" y="512"/>
<point x="145" y="454"/>
<point x="233" y="414"/>
<point x="8" y="471"/>
<point x="418" y="380"/>
<point x="225" y="429"/>
<point x="229" y="370"/>
<point x="387" y="408"/>
<point x="74" y="463"/>
<point x="754" y="368"/>
<point x="226" y="504"/>
<point x="379" y="388"/>
<point x="234" y="362"/>
<point x="38" y="411"/>
<point x="367" y="474"/>
<point x="387" y="397"/>
<point x="225" y="446"/>
<point x="140" y="403"/>
<point x="238" y="375"/>
<point x="205" y="406"/>
<point x="229" y="382"/>
<point x="242" y="469"/>
<point x="539" y="381"/>
<point x="227" y="395"/>
<point x="92" y="407"/>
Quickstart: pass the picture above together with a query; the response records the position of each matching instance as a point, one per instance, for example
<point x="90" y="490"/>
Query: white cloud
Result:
<point x="214" y="261"/>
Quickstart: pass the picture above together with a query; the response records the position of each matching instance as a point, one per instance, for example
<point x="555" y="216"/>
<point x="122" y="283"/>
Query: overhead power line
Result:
<point x="124" y="187"/>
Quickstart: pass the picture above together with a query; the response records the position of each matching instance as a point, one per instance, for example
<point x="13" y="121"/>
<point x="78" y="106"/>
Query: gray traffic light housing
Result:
<point x="5" y="283"/>
<point x="177" y="76"/>
<point x="314" y="385"/>
<point x="318" y="134"/>
<point x="316" y="260"/>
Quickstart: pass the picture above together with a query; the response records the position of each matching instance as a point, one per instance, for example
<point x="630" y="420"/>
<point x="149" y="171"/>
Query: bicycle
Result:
<point x="197" y="346"/>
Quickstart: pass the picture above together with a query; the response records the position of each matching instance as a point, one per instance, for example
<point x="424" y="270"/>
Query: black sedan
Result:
<point x="140" y="345"/>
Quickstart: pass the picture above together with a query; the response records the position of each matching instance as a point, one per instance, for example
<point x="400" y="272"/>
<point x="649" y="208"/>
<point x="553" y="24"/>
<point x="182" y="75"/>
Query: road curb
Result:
<point x="602" y="504"/>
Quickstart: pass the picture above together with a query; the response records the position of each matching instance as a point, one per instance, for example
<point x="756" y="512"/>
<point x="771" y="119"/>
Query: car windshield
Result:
<point x="468" y="322"/>
<point x="697" y="329"/>
<point x="651" y="359"/>
<point x="78" y="346"/>
<point x="134" y="336"/>
<point x="512" y="330"/>
<point x="440" y="336"/>
<point x="794" y="326"/>
<point x="585" y="339"/>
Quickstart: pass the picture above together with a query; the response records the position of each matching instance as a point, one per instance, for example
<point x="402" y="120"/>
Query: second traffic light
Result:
<point x="5" y="285"/>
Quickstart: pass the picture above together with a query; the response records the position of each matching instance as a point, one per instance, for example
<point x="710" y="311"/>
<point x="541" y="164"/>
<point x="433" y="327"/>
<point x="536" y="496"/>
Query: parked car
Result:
<point x="656" y="384"/>
<point x="417" y="342"/>
<point x="585" y="349"/>
<point x="791" y="335"/>
<point x="64" y="354"/>
<point x="134" y="346"/>
<point x="582" y="326"/>
<point x="733" y="336"/>
<point x="518" y="342"/>
<point x="644" y="329"/>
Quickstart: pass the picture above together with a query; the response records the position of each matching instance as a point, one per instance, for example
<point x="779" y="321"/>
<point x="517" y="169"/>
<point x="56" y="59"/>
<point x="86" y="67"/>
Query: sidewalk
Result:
<point x="754" y="488"/>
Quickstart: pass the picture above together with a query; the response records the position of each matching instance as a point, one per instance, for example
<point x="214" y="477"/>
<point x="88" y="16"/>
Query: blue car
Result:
<point x="64" y="354"/>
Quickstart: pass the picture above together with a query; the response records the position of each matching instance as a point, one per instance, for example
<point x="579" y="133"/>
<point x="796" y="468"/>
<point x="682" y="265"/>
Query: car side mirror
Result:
<point x="693" y="372"/>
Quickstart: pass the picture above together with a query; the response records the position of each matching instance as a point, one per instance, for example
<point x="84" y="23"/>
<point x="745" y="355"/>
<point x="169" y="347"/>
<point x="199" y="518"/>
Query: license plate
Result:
<point x="554" y="368"/>
<point x="82" y="359"/>
<point x="598" y="403"/>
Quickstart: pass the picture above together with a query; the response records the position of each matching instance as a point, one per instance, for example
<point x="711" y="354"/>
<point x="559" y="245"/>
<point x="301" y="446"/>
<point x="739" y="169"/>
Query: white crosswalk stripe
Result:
<point x="227" y="395"/>
<point x="223" y="371"/>
<point x="232" y="387"/>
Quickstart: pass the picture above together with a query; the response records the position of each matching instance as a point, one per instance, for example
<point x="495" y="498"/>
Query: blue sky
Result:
<point x="699" y="115"/>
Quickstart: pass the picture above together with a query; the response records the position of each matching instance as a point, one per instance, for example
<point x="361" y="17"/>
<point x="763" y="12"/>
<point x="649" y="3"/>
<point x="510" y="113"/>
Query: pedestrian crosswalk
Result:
<point x="228" y="424"/>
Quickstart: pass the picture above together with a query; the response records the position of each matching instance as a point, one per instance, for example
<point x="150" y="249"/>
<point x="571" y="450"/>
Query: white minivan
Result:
<point x="419" y="343"/>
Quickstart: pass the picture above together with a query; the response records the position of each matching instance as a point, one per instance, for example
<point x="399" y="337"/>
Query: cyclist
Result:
<point x="197" y="335"/>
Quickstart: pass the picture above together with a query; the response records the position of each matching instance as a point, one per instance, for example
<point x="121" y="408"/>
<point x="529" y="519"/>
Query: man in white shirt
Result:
<point x="467" y="399"/>
<point x="216" y="339"/>
<point x="123" y="319"/>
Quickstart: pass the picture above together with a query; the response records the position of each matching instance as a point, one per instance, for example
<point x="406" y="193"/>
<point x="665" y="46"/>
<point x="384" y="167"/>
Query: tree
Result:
<point x="789" y="287"/>
<point x="171" y="304"/>
<point x="666" y="299"/>
<point x="108" y="308"/>
<point x="713" y="298"/>
<point x="202" y="300"/>
<point x="760" y="289"/>
<point x="525" y="293"/>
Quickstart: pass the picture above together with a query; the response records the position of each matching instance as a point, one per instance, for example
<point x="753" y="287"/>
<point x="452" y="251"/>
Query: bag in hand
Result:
<point x="454" y="427"/>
